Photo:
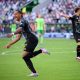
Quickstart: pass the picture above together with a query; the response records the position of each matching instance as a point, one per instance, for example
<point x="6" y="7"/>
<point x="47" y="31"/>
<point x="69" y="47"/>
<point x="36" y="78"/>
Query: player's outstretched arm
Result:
<point x="65" y="15"/>
<point x="19" y="30"/>
<point x="18" y="37"/>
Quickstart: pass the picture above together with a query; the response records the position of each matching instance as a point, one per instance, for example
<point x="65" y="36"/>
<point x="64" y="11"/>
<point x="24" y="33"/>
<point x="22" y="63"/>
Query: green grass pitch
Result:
<point x="60" y="65"/>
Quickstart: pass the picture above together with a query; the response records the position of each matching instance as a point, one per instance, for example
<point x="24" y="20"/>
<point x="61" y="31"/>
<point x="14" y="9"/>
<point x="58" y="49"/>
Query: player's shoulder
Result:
<point x="73" y="17"/>
<point x="23" y="21"/>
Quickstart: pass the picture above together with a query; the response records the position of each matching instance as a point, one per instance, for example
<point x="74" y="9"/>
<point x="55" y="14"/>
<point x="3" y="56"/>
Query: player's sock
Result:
<point x="78" y="51"/>
<point x="35" y="53"/>
<point x="29" y="63"/>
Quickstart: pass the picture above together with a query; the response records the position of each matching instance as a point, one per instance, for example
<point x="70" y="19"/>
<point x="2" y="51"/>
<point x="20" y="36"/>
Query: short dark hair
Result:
<point x="77" y="9"/>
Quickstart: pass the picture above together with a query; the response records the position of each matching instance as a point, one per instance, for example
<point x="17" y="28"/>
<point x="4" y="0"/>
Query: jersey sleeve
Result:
<point x="72" y="18"/>
<point x="22" y="25"/>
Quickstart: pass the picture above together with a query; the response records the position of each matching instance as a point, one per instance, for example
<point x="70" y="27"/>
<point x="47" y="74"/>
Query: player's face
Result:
<point x="39" y="16"/>
<point x="17" y="16"/>
<point x="79" y="11"/>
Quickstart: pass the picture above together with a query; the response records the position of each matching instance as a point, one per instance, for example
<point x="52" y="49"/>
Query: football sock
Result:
<point x="35" y="53"/>
<point x="78" y="51"/>
<point x="29" y="64"/>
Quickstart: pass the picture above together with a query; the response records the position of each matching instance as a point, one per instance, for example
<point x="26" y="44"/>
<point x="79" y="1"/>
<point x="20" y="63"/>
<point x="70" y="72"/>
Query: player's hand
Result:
<point x="9" y="35"/>
<point x="61" y="14"/>
<point x="7" y="46"/>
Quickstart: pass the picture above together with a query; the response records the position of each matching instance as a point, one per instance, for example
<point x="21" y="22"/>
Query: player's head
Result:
<point x="38" y="15"/>
<point x="17" y="15"/>
<point x="77" y="10"/>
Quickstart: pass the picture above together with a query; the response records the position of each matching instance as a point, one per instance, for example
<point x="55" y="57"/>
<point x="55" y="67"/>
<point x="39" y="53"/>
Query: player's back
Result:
<point x="26" y="29"/>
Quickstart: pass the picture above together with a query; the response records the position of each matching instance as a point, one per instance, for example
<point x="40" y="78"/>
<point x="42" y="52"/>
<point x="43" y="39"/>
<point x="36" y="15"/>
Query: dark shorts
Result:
<point x="31" y="44"/>
<point x="77" y="37"/>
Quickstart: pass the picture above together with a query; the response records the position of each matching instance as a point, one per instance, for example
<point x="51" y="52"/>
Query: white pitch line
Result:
<point x="61" y="48"/>
<point x="17" y="52"/>
<point x="7" y="52"/>
<point x="3" y="53"/>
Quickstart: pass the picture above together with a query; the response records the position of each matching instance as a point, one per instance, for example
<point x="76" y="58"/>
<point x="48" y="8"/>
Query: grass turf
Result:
<point x="60" y="65"/>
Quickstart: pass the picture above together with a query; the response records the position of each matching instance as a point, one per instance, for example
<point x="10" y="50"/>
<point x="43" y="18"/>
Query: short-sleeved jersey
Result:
<point x="40" y="23"/>
<point x="26" y="30"/>
<point x="75" y="24"/>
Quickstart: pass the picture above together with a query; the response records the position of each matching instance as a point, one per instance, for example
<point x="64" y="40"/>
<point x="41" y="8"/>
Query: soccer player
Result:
<point x="76" y="28"/>
<point x="30" y="44"/>
<point x="40" y="27"/>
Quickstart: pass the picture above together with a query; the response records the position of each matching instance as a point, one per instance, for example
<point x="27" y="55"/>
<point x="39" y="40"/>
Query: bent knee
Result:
<point x="78" y="43"/>
<point x="24" y="53"/>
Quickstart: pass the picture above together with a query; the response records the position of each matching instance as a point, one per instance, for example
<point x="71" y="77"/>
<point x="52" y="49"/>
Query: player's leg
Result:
<point x="29" y="64"/>
<point x="77" y="38"/>
<point x="35" y="53"/>
<point x="30" y="50"/>
<point x="38" y="34"/>
<point x="26" y="56"/>
<point x="28" y="61"/>
<point x="31" y="47"/>
<point x="78" y="51"/>
<point x="42" y="33"/>
<point x="28" y="53"/>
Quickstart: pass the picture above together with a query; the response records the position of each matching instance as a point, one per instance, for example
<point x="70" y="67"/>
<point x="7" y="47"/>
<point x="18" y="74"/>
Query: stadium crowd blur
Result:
<point x="49" y="13"/>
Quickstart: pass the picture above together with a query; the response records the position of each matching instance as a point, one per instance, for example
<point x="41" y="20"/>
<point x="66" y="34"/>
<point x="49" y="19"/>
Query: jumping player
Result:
<point x="30" y="44"/>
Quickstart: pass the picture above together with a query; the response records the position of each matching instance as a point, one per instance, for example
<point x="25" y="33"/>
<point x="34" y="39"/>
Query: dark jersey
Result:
<point x="75" y="24"/>
<point x="27" y="31"/>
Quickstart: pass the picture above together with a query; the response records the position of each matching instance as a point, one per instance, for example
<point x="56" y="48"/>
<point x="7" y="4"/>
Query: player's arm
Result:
<point x="18" y="30"/>
<point x="18" y="37"/>
<point x="65" y="15"/>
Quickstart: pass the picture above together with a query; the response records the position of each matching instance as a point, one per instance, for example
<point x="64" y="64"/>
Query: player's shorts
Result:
<point x="77" y="37"/>
<point x="31" y="44"/>
<point x="40" y="31"/>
